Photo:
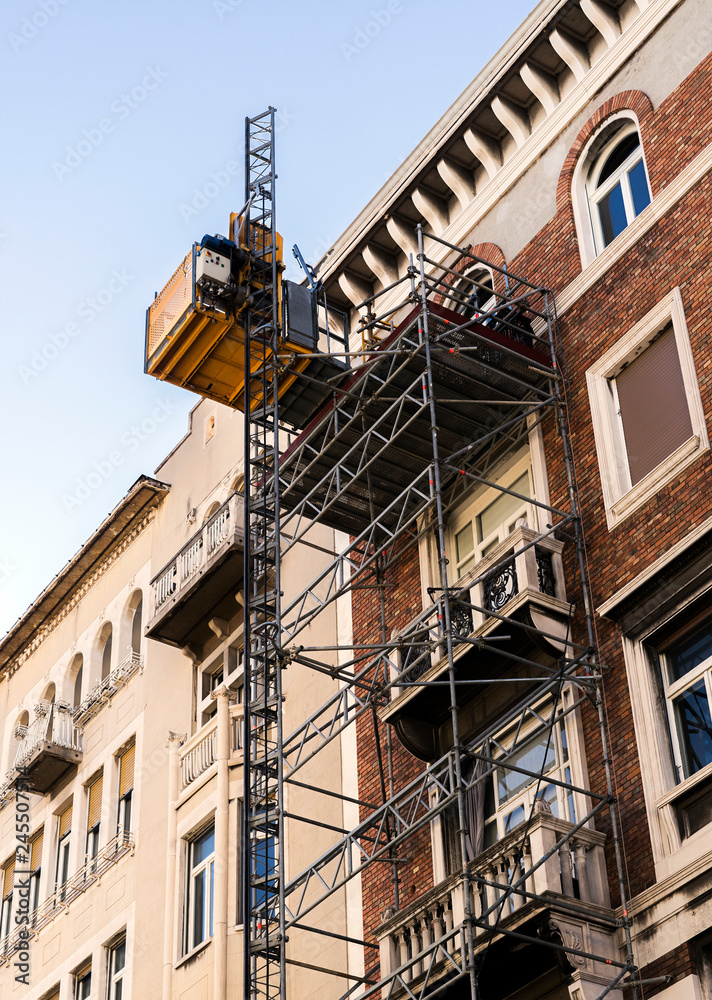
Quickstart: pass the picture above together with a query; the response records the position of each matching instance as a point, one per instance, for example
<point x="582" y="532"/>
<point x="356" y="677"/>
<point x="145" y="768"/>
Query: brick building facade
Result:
<point x="580" y="159"/>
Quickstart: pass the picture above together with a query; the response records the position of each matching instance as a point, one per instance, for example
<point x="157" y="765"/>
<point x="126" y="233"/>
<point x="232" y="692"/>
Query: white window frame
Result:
<point x="599" y="145"/>
<point x="468" y="513"/>
<point x="620" y="499"/>
<point x="620" y="176"/>
<point x="558" y="770"/>
<point x="204" y="867"/>
<point x="115" y="976"/>
<point x="575" y="764"/>
<point x="477" y="272"/>
<point x="674" y="688"/>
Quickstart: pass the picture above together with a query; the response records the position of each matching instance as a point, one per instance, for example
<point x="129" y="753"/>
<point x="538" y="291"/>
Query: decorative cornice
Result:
<point x="47" y="629"/>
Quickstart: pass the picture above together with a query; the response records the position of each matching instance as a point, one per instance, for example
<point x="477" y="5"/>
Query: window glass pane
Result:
<point x="689" y="653"/>
<point x="463" y="543"/>
<point x="264" y="866"/>
<point x="502" y="508"/>
<point x="694" y="726"/>
<point x="619" y="155"/>
<point x="612" y="214"/>
<point x="118" y="989"/>
<point x="204" y="846"/>
<point x="513" y="819"/>
<point x="536" y="756"/>
<point x="119" y="956"/>
<point x="639" y="187"/>
<point x="570" y="796"/>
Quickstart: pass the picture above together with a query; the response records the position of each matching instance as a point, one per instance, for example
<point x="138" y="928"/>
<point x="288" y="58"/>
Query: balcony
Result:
<point x="102" y="693"/>
<point x="516" y="597"/>
<point x="63" y="895"/>
<point x="201" y="581"/>
<point x="565" y="896"/>
<point x="199" y="754"/>
<point x="49" y="747"/>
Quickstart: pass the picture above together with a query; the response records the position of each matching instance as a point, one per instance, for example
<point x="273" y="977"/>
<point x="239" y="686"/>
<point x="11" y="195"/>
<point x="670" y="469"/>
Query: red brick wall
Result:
<point x="674" y="252"/>
<point x="404" y="602"/>
<point x="678" y="963"/>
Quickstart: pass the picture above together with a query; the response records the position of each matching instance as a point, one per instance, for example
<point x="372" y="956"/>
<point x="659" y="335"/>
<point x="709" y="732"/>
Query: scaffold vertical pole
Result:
<point x="263" y="823"/>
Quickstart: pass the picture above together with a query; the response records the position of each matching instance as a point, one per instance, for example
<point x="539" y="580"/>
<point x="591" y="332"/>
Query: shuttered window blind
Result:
<point x="95" y="793"/>
<point x="8" y="877"/>
<point x="126" y="772"/>
<point x="653" y="406"/>
<point x="36" y="850"/>
<point x="65" y="821"/>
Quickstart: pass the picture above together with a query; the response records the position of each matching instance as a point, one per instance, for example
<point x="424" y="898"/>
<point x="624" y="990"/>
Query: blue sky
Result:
<point x="122" y="133"/>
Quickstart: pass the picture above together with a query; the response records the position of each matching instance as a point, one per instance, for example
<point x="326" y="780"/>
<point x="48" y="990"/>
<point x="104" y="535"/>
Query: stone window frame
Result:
<point x="620" y="499"/>
<point x="619" y="126"/>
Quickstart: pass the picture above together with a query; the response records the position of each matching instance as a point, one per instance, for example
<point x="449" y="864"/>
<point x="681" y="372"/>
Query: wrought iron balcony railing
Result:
<point x="65" y="893"/>
<point x="102" y="693"/>
<point x="524" y="569"/>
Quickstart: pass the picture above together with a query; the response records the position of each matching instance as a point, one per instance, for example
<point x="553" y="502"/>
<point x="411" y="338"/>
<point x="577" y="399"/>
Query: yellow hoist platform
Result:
<point x="195" y="331"/>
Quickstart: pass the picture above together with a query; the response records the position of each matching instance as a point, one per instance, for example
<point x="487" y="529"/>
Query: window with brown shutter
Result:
<point x="36" y="845"/>
<point x="126" y="774"/>
<point x="653" y="406"/>
<point x="126" y="783"/>
<point x="8" y="877"/>
<point x="95" y="793"/>
<point x="65" y="821"/>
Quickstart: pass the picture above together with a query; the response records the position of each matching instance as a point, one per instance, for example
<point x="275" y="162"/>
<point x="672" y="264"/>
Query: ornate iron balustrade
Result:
<point x="102" y="693"/>
<point x="64" y="895"/>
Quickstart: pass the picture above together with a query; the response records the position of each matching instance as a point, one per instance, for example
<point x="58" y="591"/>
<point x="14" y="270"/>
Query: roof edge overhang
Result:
<point x="453" y="120"/>
<point x="145" y="495"/>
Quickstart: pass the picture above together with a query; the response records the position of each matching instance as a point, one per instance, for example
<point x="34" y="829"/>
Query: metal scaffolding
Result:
<point x="446" y="385"/>
<point x="263" y="814"/>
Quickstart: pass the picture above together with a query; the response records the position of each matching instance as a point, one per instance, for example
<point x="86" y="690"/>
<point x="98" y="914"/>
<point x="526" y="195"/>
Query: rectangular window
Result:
<point x="8" y="884"/>
<point x="82" y="982"/>
<point x="63" y="842"/>
<point x="116" y="968"/>
<point x="126" y="783"/>
<point x="487" y="521"/>
<point x="687" y="679"/>
<point x="507" y="799"/>
<point x="36" y="845"/>
<point x="646" y="409"/>
<point x="653" y="407"/>
<point x="95" y="790"/>
<point x="201" y="876"/>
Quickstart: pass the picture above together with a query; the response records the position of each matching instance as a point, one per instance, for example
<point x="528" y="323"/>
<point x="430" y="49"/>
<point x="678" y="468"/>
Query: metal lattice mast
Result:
<point x="263" y="899"/>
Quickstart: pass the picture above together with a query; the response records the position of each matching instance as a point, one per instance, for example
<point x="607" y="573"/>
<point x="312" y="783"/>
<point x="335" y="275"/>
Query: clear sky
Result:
<point x="121" y="144"/>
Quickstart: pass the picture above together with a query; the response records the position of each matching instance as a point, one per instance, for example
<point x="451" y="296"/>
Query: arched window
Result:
<point x="212" y="509"/>
<point x="617" y="184"/>
<point x="105" y="646"/>
<point x="473" y="293"/>
<point x="76" y="670"/>
<point x="136" y="627"/>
